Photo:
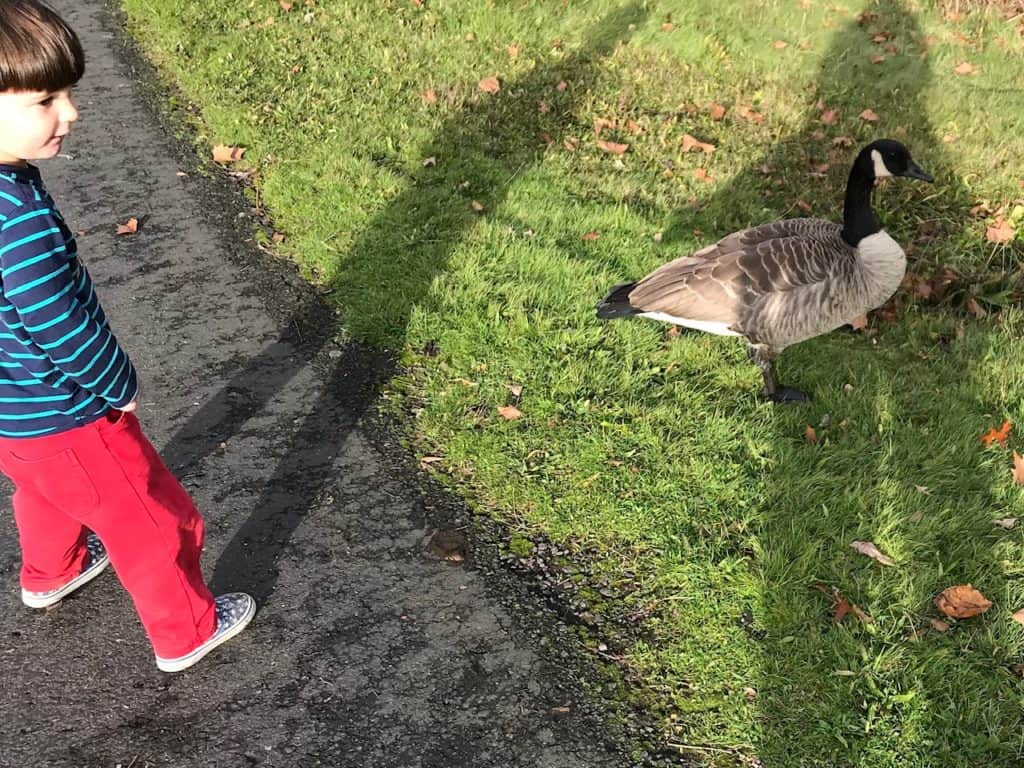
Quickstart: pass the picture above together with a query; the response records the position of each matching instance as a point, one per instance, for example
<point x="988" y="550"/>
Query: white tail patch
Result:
<point x="708" y="326"/>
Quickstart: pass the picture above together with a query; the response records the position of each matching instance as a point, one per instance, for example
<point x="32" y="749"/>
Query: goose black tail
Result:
<point x="616" y="303"/>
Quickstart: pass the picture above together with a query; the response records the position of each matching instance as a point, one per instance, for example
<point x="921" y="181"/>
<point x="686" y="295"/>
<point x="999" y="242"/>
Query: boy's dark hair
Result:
<point x="38" y="50"/>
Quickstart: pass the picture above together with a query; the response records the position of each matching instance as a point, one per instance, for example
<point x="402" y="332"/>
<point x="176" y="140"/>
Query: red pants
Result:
<point x="107" y="477"/>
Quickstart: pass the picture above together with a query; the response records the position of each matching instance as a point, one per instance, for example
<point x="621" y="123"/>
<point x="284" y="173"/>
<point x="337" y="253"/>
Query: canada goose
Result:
<point x="781" y="283"/>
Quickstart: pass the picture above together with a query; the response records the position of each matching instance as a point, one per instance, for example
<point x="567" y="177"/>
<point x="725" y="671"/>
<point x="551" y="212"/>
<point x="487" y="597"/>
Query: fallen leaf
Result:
<point x="717" y="111"/>
<point x="1000" y="435"/>
<point x="612" y="147"/>
<point x="1018" y="616"/>
<point x="965" y="68"/>
<point x="571" y="144"/>
<point x="876" y="58"/>
<point x="130" y="227"/>
<point x="870" y="115"/>
<point x="780" y="44"/>
<point x="842" y="141"/>
<point x="513" y="51"/>
<point x="923" y="489"/>
<point x="1007" y="523"/>
<point x="749" y="113"/>
<point x="690" y="143"/>
<point x="515" y="389"/>
<point x="510" y="412"/>
<point x="810" y="435"/>
<point x="429" y="96"/>
<point x="939" y="625"/>
<point x="1018" y="469"/>
<point x="962" y="602"/>
<point x="830" y="116"/>
<point x="591" y="236"/>
<point x="490" y="85"/>
<point x="860" y="614"/>
<point x="701" y="174"/>
<point x="278" y="237"/>
<point x="1000" y="232"/>
<point x="225" y="154"/>
<point x="600" y="123"/>
<point x="868" y="548"/>
<point x="668" y="26"/>
<point x="543" y="107"/>
<point x="859" y="323"/>
<point x="562" y="85"/>
<point x="430" y="162"/>
<point x="881" y="37"/>
<point x="286" y="6"/>
<point x="975" y="308"/>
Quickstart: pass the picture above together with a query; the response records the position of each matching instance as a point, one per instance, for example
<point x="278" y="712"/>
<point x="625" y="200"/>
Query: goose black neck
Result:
<point x="858" y="219"/>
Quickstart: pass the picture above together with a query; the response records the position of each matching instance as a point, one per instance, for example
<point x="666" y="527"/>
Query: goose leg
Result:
<point x="764" y="358"/>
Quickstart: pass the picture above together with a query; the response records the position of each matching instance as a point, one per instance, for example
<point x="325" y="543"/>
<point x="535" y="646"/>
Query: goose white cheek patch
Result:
<point x="881" y="172"/>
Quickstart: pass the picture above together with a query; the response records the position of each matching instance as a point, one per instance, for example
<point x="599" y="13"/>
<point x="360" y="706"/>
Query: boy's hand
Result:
<point x="130" y="407"/>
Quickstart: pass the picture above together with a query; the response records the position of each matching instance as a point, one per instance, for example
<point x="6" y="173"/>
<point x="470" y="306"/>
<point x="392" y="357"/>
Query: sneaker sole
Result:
<point x="184" y="662"/>
<point x="79" y="581"/>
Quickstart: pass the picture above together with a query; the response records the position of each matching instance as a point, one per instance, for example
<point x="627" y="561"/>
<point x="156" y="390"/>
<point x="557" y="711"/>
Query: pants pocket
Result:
<point x="59" y="478"/>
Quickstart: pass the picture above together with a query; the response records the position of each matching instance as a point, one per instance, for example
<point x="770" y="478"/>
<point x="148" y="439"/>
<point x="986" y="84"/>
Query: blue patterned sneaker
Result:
<point x="95" y="562"/>
<point x="234" y="612"/>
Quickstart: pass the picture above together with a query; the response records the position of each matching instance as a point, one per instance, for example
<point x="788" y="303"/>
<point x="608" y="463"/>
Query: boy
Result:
<point x="90" y="490"/>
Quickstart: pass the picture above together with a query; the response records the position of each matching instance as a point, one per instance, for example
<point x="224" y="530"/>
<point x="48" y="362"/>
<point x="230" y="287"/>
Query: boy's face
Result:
<point x="32" y="123"/>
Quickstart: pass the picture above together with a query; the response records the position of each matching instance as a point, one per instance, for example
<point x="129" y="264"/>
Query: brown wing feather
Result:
<point x="722" y="281"/>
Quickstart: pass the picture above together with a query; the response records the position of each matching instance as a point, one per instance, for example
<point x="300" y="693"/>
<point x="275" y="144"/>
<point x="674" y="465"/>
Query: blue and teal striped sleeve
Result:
<point x="51" y="294"/>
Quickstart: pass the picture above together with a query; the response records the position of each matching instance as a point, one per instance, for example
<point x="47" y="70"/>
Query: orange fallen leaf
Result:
<point x="830" y="116"/>
<point x="939" y="625"/>
<point x="562" y="85"/>
<point x="130" y="227"/>
<point x="477" y="206"/>
<point x="668" y="26"/>
<point x="859" y="323"/>
<point x="962" y="602"/>
<point x="780" y="44"/>
<point x="1018" y="616"/>
<point x="701" y="174"/>
<point x="510" y="412"/>
<point x="429" y="96"/>
<point x="868" y="548"/>
<point x="965" y="68"/>
<point x="613" y="147"/>
<point x="1000" y="232"/>
<point x="490" y="85"/>
<point x="690" y="143"/>
<point x="810" y="435"/>
<point x="1018" y="469"/>
<point x="571" y="144"/>
<point x="286" y="6"/>
<point x="870" y="115"/>
<point x="591" y="236"/>
<point x="749" y="113"/>
<point x="1000" y="435"/>
<point x="842" y="141"/>
<point x="225" y="154"/>
<point x="513" y="50"/>
<point x="876" y="58"/>
<point x="717" y="111"/>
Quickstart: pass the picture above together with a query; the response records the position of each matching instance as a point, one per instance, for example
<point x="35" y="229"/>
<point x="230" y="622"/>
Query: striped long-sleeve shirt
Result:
<point x="60" y="365"/>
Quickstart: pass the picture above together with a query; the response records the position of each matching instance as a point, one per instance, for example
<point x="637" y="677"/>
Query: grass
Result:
<point x="703" y="512"/>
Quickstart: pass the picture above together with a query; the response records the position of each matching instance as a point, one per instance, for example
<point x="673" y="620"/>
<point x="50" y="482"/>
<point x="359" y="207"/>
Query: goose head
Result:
<point x="887" y="157"/>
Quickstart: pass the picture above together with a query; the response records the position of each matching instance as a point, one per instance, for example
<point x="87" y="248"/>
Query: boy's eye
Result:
<point x="47" y="101"/>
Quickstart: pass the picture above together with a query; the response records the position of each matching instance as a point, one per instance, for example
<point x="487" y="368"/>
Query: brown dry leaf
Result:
<point x="780" y="44"/>
<point x="612" y="147"/>
<point x="830" y="116"/>
<point x="701" y="174"/>
<point x="1000" y="435"/>
<point x="571" y="144"/>
<point x="803" y="205"/>
<point x="600" y="123"/>
<point x="690" y="143"/>
<point x="965" y="68"/>
<point x="426" y="461"/>
<point x="1007" y="523"/>
<point x="876" y="58"/>
<point x="1018" y="469"/>
<point x="948" y="138"/>
<point x="591" y="236"/>
<point x="477" y="206"/>
<point x="881" y="37"/>
<point x="868" y="548"/>
<point x="939" y="625"/>
<point x="717" y="111"/>
<point x="130" y="227"/>
<point x="286" y="6"/>
<point x="225" y="154"/>
<point x="810" y="435"/>
<point x="429" y="96"/>
<point x="668" y="26"/>
<point x="490" y="85"/>
<point x="510" y="412"/>
<point x="278" y="237"/>
<point x="859" y="323"/>
<point x="840" y="608"/>
<point x="1018" y="616"/>
<point x="562" y="85"/>
<point x="515" y="389"/>
<point x="860" y="614"/>
<point x="749" y="113"/>
<point x="513" y="50"/>
<point x="870" y="115"/>
<point x="1000" y="232"/>
<point x="962" y="602"/>
<point x="268" y="22"/>
<point x="543" y="107"/>
<point x="842" y="141"/>
<point x="975" y="308"/>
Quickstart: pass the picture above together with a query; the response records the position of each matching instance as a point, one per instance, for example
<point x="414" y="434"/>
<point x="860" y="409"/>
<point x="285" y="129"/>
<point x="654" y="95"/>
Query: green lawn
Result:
<point x="698" y="514"/>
